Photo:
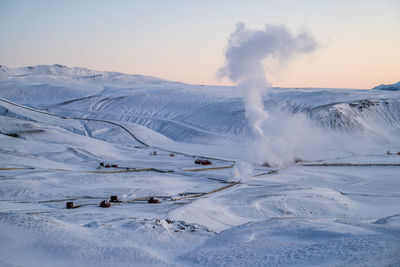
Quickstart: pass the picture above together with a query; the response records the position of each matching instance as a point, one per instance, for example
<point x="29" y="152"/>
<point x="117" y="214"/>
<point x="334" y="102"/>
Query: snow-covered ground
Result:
<point x="58" y="123"/>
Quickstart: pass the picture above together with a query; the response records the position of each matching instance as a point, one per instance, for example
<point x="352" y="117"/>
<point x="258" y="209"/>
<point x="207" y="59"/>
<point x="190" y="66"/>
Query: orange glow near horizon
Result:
<point x="359" y="39"/>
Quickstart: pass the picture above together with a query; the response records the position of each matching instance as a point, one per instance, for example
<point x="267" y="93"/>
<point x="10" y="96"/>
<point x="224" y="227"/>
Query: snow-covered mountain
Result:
<point x="327" y="193"/>
<point x="185" y="112"/>
<point x="390" y="87"/>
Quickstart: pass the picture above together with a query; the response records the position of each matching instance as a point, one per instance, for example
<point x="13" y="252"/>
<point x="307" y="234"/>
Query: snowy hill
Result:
<point x="326" y="195"/>
<point x="389" y="87"/>
<point x="190" y="112"/>
<point x="57" y="83"/>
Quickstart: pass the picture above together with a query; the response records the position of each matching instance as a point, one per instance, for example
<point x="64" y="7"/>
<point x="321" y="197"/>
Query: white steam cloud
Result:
<point x="246" y="52"/>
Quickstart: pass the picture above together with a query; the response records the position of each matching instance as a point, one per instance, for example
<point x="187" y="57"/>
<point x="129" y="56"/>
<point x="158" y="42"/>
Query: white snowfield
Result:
<point x="330" y="197"/>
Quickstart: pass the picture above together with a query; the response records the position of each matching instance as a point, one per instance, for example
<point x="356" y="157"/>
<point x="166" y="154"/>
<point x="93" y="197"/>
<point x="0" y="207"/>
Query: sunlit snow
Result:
<point x="324" y="190"/>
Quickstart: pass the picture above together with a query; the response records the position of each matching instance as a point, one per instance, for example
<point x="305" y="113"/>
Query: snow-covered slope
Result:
<point x="191" y="113"/>
<point x="65" y="121"/>
<point x="390" y="87"/>
<point x="187" y="115"/>
<point x="57" y="83"/>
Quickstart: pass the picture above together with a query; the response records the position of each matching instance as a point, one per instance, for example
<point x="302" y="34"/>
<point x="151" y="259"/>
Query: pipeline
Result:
<point x="351" y="165"/>
<point x="141" y="199"/>
<point x="113" y="123"/>
<point x="182" y="196"/>
<point x="207" y="169"/>
<point x="12" y="169"/>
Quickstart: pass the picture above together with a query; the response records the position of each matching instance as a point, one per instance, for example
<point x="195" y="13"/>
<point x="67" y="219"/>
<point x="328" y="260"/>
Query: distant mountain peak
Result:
<point x="388" y="87"/>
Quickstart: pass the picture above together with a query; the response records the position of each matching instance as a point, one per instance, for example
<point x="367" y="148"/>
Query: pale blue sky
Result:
<point x="185" y="40"/>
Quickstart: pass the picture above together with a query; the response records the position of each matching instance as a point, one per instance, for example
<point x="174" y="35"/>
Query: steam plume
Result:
<point x="245" y="54"/>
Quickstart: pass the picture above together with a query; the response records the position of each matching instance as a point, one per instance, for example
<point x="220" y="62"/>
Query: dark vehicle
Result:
<point x="203" y="161"/>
